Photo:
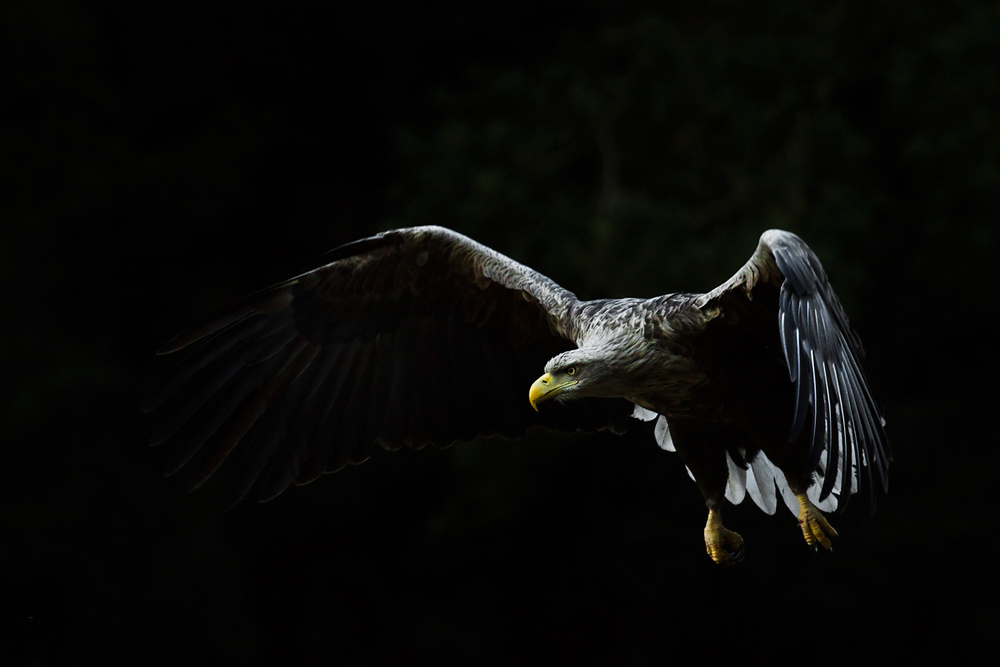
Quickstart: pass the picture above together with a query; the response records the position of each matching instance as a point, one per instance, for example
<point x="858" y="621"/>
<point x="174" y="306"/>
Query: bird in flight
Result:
<point x="422" y="336"/>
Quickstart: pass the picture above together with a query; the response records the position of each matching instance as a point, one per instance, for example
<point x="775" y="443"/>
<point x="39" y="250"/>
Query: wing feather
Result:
<point x="411" y="337"/>
<point x="835" y="413"/>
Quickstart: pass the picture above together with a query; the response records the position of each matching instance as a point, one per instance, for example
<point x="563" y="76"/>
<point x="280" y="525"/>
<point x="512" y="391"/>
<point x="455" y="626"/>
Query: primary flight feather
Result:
<point x="423" y="336"/>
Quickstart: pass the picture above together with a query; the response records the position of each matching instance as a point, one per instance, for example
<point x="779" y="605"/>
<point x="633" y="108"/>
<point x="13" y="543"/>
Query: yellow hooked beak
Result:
<point x="546" y="387"/>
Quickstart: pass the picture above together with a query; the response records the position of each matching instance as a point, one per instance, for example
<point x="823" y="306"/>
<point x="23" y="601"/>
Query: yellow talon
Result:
<point x="724" y="546"/>
<point x="815" y="528"/>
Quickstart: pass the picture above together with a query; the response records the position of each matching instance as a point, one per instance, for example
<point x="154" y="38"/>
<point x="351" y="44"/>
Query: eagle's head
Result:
<point x="579" y="373"/>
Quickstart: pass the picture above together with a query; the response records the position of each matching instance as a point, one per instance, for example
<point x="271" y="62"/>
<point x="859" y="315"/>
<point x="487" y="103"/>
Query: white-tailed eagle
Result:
<point x="423" y="336"/>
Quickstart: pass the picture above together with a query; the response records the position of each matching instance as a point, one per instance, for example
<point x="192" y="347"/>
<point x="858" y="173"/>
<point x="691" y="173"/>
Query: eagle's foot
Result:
<point x="724" y="546"/>
<point x="815" y="528"/>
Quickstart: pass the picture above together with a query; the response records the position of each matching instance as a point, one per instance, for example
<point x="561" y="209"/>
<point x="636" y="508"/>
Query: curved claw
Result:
<point x="815" y="528"/>
<point x="724" y="546"/>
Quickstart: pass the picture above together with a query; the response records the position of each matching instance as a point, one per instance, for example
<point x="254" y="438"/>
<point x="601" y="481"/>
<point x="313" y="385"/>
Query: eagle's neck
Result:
<point x="638" y="343"/>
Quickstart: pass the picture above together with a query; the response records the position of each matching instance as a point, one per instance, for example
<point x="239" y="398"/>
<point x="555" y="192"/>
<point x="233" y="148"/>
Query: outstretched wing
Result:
<point x="411" y="337"/>
<point x="834" y="403"/>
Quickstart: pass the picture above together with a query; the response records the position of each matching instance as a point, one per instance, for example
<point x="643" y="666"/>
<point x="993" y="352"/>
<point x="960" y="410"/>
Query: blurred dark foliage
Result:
<point x="159" y="160"/>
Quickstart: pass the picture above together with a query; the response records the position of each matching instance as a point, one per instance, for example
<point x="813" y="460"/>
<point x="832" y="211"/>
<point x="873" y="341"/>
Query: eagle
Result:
<point x="422" y="336"/>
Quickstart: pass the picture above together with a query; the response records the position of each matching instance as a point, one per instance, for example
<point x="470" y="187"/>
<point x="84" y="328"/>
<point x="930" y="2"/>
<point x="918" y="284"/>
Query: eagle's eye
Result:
<point x="571" y="370"/>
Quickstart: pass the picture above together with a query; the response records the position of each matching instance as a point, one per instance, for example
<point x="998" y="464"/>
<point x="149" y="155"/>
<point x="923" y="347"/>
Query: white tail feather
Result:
<point x="762" y="481"/>
<point x="662" y="433"/>
<point x="642" y="414"/>
<point x="736" y="488"/>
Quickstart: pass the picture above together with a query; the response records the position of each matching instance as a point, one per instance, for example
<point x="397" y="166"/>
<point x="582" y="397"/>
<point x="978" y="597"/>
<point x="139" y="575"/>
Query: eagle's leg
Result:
<point x="702" y="448"/>
<point x="815" y="528"/>
<point x="724" y="546"/>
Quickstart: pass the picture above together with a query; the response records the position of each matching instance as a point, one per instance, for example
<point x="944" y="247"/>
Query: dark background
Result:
<point x="160" y="161"/>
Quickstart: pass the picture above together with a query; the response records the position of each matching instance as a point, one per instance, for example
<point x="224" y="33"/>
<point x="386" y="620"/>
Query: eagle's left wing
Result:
<point x="834" y="401"/>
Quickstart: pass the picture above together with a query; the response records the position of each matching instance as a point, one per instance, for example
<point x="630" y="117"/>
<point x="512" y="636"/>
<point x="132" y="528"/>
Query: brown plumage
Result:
<point x="759" y="385"/>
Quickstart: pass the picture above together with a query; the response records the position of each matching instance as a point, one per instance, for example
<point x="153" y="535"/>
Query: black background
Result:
<point x="161" y="160"/>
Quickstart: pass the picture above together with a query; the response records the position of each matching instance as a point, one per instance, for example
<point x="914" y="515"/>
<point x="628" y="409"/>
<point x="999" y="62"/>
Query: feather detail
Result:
<point x="662" y="434"/>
